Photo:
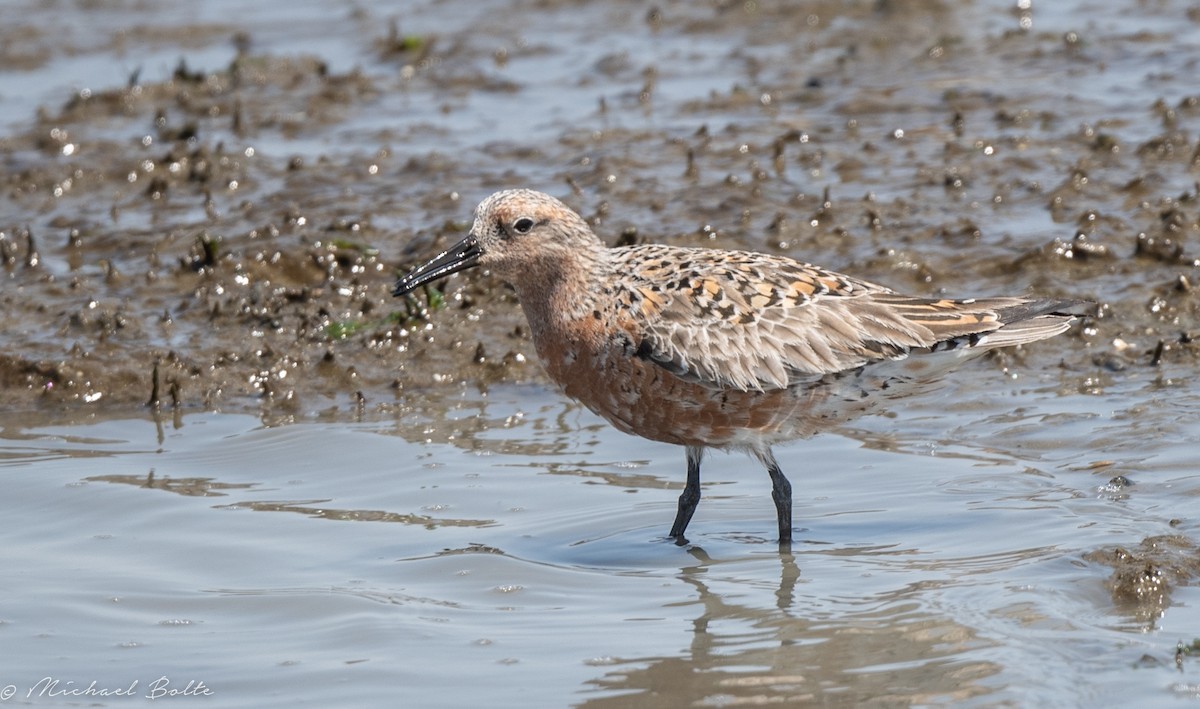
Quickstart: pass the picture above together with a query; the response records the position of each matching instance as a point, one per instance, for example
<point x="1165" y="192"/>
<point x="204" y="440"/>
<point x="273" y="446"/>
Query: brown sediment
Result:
<point x="1143" y="577"/>
<point x="143" y="226"/>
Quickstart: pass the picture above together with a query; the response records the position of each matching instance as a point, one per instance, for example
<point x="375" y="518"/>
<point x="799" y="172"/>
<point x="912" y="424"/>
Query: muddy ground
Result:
<point x="226" y="236"/>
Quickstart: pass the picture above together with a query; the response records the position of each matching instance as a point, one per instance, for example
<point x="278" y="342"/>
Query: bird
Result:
<point x="719" y="349"/>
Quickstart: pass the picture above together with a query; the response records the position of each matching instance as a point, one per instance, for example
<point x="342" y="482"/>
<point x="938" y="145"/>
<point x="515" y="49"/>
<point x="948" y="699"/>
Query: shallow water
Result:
<point x="510" y="551"/>
<point x="381" y="519"/>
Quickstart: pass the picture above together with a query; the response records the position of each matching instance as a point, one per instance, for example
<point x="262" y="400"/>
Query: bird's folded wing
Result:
<point x="755" y="322"/>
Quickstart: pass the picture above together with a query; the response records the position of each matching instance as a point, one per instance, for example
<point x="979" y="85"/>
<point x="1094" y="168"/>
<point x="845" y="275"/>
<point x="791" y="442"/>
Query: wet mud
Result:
<point x="226" y="236"/>
<point x="1143" y="577"/>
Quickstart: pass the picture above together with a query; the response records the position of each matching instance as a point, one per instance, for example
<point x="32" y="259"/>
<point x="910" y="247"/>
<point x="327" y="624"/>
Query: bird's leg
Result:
<point x="691" y="492"/>
<point x="781" y="493"/>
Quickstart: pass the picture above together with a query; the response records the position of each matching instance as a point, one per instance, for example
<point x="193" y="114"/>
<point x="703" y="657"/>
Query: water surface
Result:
<point x="513" y="552"/>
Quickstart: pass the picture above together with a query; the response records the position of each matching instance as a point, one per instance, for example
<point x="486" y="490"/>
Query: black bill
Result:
<point x="462" y="255"/>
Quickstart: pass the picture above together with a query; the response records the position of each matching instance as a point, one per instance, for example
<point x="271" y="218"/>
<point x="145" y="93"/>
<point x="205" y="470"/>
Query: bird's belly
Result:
<point x="642" y="398"/>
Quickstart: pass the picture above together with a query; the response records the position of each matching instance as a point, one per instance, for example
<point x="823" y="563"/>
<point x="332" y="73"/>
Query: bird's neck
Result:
<point x="560" y="296"/>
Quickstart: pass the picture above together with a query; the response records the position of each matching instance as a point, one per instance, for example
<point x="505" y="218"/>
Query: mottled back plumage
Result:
<point x="750" y="321"/>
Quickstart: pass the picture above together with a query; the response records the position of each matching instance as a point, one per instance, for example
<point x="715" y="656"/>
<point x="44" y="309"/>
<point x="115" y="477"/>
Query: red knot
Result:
<point x="707" y="348"/>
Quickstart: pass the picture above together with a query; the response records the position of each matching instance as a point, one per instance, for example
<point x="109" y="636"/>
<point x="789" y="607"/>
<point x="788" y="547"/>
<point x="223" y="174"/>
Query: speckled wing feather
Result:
<point x="753" y="321"/>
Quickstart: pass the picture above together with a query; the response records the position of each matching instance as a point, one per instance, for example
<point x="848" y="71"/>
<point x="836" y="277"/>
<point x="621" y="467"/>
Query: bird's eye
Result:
<point x="523" y="225"/>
